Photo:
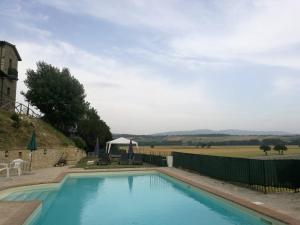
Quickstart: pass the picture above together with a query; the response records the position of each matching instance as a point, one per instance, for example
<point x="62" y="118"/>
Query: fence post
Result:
<point x="265" y="180"/>
<point x="249" y="173"/>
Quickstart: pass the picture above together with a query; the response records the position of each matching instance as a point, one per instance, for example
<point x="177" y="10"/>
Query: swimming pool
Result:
<point x="131" y="198"/>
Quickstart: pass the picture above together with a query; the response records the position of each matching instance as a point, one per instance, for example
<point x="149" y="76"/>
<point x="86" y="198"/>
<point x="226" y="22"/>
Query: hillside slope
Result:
<point x="18" y="138"/>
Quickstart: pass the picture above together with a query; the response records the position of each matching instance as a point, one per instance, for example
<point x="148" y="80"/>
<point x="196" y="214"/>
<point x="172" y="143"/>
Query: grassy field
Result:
<point x="231" y="151"/>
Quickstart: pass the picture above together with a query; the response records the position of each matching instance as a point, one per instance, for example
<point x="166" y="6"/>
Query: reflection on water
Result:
<point x="130" y="183"/>
<point x="127" y="200"/>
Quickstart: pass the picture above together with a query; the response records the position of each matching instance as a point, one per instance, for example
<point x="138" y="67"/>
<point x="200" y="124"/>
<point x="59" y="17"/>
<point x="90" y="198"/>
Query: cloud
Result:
<point x="228" y="31"/>
<point x="286" y="85"/>
<point x="168" y="65"/>
<point x="121" y="91"/>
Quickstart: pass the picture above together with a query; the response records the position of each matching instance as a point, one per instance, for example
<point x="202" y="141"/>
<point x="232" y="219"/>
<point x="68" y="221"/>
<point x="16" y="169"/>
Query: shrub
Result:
<point x="79" y="142"/>
<point x="16" y="120"/>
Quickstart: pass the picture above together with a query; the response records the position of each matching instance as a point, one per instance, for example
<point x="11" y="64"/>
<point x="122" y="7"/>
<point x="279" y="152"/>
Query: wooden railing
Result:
<point x="11" y="105"/>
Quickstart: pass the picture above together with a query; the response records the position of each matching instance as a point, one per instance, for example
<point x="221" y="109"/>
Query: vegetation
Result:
<point x="230" y="151"/>
<point x="214" y="140"/>
<point x="91" y="127"/>
<point x="79" y="142"/>
<point x="12" y="138"/>
<point x="114" y="164"/>
<point x="280" y="148"/>
<point x="57" y="94"/>
<point x="265" y="148"/>
<point x="16" y="120"/>
<point x="65" y="108"/>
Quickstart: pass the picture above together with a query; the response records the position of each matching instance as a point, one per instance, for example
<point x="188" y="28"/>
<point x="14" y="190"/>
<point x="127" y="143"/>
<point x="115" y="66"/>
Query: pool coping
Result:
<point x="22" y="217"/>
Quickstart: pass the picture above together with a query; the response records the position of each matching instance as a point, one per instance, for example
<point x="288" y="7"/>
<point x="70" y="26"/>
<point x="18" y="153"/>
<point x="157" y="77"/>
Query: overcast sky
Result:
<point x="153" y="65"/>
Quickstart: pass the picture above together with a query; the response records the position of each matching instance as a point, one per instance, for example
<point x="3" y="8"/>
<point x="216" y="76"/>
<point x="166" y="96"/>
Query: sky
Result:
<point x="150" y="65"/>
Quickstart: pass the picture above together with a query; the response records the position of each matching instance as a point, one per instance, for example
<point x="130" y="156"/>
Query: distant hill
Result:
<point x="225" y="132"/>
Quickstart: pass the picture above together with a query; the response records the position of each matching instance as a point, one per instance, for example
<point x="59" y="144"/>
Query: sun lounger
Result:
<point x="124" y="159"/>
<point x="104" y="159"/>
<point x="137" y="159"/>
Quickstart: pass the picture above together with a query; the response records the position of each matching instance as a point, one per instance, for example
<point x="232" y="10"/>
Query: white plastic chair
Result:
<point x="6" y="167"/>
<point x="17" y="164"/>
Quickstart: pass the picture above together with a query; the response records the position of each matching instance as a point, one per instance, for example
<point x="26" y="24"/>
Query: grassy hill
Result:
<point x="17" y="137"/>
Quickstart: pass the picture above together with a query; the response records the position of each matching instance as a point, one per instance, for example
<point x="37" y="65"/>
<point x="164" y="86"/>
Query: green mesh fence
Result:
<point x="155" y="160"/>
<point x="265" y="175"/>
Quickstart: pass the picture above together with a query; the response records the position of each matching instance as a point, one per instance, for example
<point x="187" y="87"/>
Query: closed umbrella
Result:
<point x="130" y="150"/>
<point x="32" y="146"/>
<point x="96" y="150"/>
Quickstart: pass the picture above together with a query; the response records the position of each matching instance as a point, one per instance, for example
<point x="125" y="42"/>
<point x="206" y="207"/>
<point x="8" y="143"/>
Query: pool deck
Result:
<point x="282" y="206"/>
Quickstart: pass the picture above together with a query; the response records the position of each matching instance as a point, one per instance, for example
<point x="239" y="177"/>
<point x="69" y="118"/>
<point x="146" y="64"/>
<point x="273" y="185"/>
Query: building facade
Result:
<point x="9" y="58"/>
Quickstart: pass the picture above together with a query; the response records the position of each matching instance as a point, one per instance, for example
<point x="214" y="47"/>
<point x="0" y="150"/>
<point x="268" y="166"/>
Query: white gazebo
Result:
<point x="119" y="141"/>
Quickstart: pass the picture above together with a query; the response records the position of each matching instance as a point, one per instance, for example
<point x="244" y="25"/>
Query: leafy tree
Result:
<point x="57" y="94"/>
<point x="265" y="148"/>
<point x="203" y="145"/>
<point x="280" y="148"/>
<point x="91" y="127"/>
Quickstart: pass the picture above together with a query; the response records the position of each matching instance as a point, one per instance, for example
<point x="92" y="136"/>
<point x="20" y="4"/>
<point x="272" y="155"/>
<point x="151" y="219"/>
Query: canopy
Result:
<point x="119" y="141"/>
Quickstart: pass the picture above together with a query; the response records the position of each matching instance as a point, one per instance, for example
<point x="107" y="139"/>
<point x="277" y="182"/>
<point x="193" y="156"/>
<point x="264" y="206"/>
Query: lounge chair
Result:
<point x="3" y="167"/>
<point x="124" y="159"/>
<point x="137" y="159"/>
<point x="104" y="159"/>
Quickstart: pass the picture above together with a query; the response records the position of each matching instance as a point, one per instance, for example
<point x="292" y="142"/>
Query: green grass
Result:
<point x="230" y="151"/>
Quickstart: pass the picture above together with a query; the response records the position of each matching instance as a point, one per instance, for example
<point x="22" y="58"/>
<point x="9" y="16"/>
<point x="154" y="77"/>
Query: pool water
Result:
<point x="128" y="199"/>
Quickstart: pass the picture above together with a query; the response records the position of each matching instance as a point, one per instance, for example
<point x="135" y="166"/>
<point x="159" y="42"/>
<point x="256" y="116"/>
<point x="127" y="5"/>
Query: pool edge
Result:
<point x="263" y="210"/>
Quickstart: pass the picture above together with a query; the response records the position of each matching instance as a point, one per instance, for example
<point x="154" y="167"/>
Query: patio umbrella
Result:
<point x="96" y="150"/>
<point x="130" y="150"/>
<point x="32" y="146"/>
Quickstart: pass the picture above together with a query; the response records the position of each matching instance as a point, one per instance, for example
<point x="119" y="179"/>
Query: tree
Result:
<point x="91" y="127"/>
<point x="57" y="94"/>
<point x="280" y="148"/>
<point x="265" y="148"/>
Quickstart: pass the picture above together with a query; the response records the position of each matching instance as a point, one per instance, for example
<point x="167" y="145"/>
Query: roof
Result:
<point x="3" y="43"/>
<point x="121" y="140"/>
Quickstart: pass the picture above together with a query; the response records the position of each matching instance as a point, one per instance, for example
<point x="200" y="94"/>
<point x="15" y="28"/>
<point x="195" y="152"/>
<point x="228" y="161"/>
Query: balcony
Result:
<point x="12" y="73"/>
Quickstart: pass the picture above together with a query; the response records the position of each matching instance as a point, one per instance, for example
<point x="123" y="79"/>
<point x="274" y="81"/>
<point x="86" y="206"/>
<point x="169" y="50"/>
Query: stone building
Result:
<point x="9" y="58"/>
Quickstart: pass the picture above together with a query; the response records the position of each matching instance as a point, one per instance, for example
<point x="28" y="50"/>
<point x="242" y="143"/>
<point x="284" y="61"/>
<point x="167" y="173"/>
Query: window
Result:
<point x="20" y="155"/>
<point x="10" y="63"/>
<point x="8" y="91"/>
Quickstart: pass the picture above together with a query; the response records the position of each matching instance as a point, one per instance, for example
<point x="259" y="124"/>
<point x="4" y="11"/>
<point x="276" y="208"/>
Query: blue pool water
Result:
<point x="147" y="199"/>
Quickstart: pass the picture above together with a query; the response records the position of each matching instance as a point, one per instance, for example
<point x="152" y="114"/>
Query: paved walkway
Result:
<point x="286" y="203"/>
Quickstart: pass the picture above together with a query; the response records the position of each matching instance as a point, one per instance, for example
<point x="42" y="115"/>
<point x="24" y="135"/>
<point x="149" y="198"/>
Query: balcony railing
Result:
<point x="12" y="72"/>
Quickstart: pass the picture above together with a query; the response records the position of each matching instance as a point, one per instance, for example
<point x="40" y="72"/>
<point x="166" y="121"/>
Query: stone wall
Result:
<point x="43" y="158"/>
<point x="8" y="53"/>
